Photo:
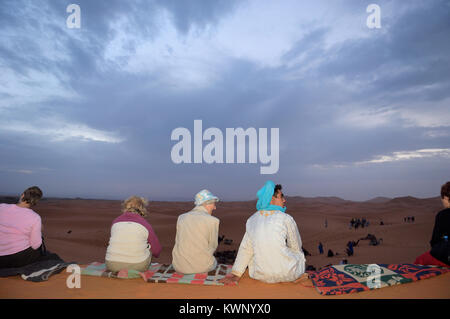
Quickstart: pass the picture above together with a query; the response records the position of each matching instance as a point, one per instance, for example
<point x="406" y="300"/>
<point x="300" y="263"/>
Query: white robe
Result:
<point x="271" y="248"/>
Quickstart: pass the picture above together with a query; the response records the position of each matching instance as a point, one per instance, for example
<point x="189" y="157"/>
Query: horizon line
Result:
<point x="245" y="200"/>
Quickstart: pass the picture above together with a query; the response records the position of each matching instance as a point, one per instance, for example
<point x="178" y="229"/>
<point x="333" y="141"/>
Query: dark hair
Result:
<point x="277" y="189"/>
<point x="445" y="190"/>
<point x="32" y="195"/>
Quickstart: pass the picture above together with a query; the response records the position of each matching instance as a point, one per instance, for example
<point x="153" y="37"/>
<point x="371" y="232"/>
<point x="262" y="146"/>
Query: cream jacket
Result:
<point x="128" y="243"/>
<point x="271" y="248"/>
<point x="195" y="242"/>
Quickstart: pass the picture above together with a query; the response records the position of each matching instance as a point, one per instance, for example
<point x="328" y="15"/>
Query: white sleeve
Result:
<point x="294" y="240"/>
<point x="244" y="256"/>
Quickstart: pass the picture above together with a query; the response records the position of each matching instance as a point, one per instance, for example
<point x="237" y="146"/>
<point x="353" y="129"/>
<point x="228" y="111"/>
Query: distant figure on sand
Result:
<point x="440" y="249"/>
<point x="133" y="241"/>
<point x="373" y="241"/>
<point x="330" y="253"/>
<point x="349" y="248"/>
<point x="320" y="248"/>
<point x="343" y="262"/>
<point x="326" y="223"/>
<point x="21" y="241"/>
<point x="271" y="247"/>
<point x="197" y="236"/>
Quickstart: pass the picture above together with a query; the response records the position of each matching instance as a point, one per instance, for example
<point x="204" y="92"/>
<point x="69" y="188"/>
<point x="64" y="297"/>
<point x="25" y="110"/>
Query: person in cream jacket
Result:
<point x="197" y="236"/>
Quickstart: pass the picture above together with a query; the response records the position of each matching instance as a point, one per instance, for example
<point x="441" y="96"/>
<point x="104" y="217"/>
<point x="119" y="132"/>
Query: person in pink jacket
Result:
<point x="20" y="231"/>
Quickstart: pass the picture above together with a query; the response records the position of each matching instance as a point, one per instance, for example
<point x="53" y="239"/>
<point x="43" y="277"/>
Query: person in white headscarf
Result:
<point x="271" y="247"/>
<point x="197" y="237"/>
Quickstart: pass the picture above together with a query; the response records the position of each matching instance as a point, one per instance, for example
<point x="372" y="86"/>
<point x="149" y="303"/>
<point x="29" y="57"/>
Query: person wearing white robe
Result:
<point x="272" y="246"/>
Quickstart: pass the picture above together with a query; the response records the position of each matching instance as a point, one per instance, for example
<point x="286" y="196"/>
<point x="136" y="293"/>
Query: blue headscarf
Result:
<point x="265" y="196"/>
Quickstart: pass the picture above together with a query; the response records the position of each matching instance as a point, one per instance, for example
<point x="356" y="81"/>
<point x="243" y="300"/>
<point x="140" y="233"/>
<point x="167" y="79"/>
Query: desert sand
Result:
<point x="78" y="230"/>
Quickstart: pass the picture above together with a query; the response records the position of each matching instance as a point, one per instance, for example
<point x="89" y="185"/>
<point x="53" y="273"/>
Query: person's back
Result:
<point x="271" y="247"/>
<point x="129" y="239"/>
<point x="276" y="257"/>
<point x="133" y="241"/>
<point x="440" y="248"/>
<point x="20" y="228"/>
<point x="21" y="241"/>
<point x="195" y="242"/>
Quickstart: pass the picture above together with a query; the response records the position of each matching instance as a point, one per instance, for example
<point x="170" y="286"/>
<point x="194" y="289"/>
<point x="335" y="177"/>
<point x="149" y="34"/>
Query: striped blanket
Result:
<point x="344" y="279"/>
<point x="160" y="273"/>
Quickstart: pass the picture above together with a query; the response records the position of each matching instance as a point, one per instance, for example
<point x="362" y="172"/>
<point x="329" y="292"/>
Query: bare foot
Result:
<point x="301" y="278"/>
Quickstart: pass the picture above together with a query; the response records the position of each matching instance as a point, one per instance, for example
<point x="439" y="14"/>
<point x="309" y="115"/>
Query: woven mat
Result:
<point x="344" y="279"/>
<point x="160" y="273"/>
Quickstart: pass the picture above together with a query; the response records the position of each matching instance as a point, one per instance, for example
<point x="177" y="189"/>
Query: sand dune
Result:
<point x="379" y="200"/>
<point x="95" y="287"/>
<point x="78" y="230"/>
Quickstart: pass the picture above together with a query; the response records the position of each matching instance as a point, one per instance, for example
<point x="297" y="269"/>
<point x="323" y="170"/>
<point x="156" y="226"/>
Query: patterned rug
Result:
<point x="160" y="273"/>
<point x="99" y="270"/>
<point x="345" y="279"/>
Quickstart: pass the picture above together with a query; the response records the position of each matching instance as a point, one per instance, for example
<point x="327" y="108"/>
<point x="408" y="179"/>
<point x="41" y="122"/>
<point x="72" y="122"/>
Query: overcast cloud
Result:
<point x="89" y="112"/>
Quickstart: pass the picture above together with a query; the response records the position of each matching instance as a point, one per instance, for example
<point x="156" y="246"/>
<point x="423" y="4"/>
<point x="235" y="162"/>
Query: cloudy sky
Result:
<point x="362" y="112"/>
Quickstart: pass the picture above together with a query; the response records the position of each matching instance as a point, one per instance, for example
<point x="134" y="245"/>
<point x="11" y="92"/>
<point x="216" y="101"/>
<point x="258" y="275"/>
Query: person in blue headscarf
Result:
<point x="266" y="200"/>
<point x="271" y="247"/>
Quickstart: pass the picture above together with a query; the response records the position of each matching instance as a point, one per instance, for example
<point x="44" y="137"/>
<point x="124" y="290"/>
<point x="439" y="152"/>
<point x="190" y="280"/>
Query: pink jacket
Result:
<point x="20" y="228"/>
